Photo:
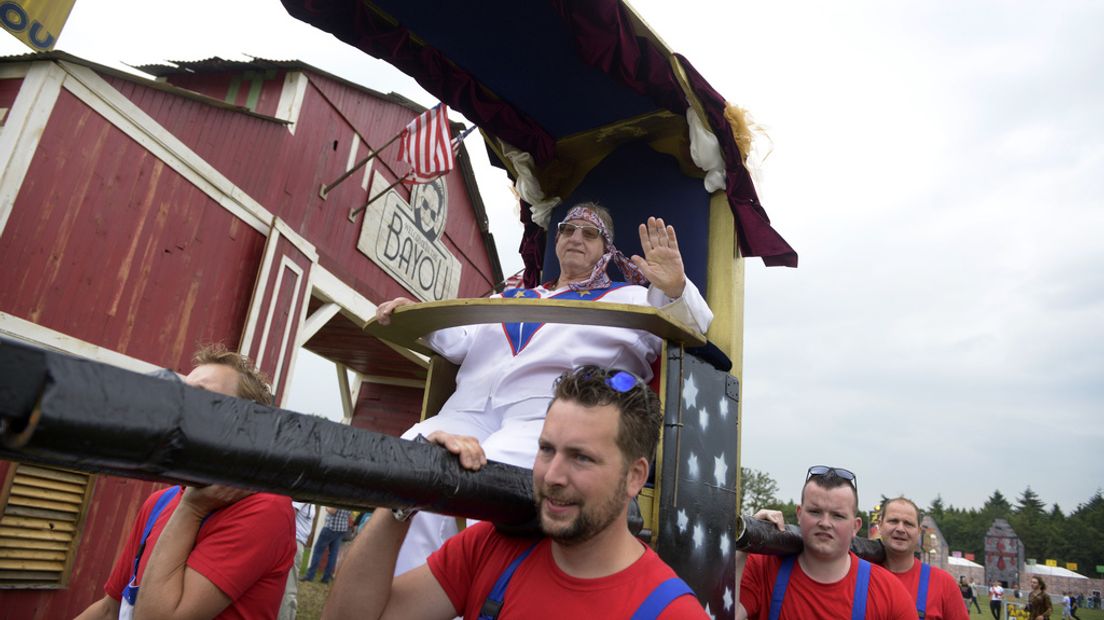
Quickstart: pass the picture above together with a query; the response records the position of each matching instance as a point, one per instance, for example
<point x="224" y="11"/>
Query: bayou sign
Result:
<point x="404" y="238"/>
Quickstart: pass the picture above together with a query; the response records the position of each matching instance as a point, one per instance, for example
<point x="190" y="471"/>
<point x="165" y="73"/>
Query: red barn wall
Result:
<point x="108" y="244"/>
<point x="284" y="172"/>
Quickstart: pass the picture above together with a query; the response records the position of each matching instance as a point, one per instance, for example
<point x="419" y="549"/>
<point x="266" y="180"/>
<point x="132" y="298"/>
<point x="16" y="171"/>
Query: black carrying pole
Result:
<point x="764" y="538"/>
<point x="79" y="414"/>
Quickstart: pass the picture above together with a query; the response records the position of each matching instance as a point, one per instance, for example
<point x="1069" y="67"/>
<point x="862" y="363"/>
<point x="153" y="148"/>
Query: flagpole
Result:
<point x="354" y="212"/>
<point x="328" y="188"/>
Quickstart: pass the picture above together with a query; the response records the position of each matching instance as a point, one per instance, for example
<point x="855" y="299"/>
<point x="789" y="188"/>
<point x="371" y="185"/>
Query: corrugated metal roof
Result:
<point x="157" y="85"/>
<point x="215" y="63"/>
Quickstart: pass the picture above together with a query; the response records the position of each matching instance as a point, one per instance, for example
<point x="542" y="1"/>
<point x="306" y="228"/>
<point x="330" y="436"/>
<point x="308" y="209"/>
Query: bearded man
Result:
<point x="594" y="449"/>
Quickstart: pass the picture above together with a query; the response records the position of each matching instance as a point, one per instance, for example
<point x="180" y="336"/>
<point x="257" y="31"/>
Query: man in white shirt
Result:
<point x="503" y="387"/>
<point x="996" y="599"/>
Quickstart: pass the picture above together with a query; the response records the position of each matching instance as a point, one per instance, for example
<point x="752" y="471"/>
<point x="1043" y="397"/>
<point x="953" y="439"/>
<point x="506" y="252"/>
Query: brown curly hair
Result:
<point x="252" y="383"/>
<point x="641" y="418"/>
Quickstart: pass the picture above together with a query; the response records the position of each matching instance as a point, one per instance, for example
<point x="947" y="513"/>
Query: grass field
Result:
<point x="311" y="598"/>
<point x="1083" y="614"/>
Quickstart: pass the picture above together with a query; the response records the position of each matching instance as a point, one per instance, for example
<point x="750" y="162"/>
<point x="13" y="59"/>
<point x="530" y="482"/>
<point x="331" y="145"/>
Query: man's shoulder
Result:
<point x="893" y="600"/>
<point x="266" y="501"/>
<point x="267" y="507"/>
<point x="151" y="501"/>
<point x="879" y="572"/>
<point x="482" y="541"/>
<point x="484" y="530"/>
<point x="655" y="565"/>
<point x="764" y="566"/>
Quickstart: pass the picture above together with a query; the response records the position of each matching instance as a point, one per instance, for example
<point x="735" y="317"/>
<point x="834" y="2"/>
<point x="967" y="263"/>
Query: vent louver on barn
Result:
<point x="42" y="514"/>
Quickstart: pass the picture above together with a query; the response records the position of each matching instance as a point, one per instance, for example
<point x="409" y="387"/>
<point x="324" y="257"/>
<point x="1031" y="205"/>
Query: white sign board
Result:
<point x="405" y="239"/>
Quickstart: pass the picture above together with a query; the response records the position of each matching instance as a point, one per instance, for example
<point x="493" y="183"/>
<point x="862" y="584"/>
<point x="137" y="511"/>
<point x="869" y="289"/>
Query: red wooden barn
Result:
<point x="140" y="218"/>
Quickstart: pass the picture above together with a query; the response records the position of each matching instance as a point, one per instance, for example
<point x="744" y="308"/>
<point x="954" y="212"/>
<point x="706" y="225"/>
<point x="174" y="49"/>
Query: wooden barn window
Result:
<point x="43" y="508"/>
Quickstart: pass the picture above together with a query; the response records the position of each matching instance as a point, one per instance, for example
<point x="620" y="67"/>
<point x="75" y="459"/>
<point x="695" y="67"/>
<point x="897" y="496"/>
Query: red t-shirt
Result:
<point x="808" y="600"/>
<point x="245" y="549"/>
<point x="468" y="565"/>
<point x="944" y="597"/>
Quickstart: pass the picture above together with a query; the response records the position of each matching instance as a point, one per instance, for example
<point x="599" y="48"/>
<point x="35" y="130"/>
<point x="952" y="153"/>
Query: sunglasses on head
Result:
<point x="823" y="470"/>
<point x="590" y="233"/>
<point x="621" y="381"/>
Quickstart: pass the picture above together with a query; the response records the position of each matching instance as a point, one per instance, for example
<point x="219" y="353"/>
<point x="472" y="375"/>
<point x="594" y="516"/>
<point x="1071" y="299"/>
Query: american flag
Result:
<point x="427" y="146"/>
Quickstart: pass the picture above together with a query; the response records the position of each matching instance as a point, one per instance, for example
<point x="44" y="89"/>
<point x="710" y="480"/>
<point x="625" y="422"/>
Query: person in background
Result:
<point x="973" y="596"/>
<point x="333" y="530"/>
<point x="1038" y="601"/>
<point x="932" y="588"/>
<point x="825" y="581"/>
<point x="996" y="599"/>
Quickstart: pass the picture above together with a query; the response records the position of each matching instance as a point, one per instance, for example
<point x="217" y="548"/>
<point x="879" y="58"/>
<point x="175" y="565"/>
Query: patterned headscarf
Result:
<point x="598" y="278"/>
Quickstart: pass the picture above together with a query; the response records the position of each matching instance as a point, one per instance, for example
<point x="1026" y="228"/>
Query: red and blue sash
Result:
<point x="519" y="334"/>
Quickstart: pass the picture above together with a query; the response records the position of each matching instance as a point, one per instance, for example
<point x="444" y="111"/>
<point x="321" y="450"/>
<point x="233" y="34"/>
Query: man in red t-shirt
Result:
<point x="825" y="581"/>
<point x="209" y="552"/>
<point x="899" y="527"/>
<point x="600" y="431"/>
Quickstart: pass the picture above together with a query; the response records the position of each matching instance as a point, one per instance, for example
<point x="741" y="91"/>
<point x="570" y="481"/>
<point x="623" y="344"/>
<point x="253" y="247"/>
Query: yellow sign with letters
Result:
<point x="36" y="23"/>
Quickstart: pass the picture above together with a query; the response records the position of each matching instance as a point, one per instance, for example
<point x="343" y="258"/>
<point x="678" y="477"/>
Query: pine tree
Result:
<point x="935" y="509"/>
<point x="996" y="507"/>
<point x="1029" y="505"/>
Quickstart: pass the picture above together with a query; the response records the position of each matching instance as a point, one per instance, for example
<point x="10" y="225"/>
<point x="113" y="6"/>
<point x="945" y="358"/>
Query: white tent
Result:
<point x="1052" y="571"/>
<point x="963" y="562"/>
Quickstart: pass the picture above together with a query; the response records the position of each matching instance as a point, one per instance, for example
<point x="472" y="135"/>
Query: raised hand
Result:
<point x="662" y="261"/>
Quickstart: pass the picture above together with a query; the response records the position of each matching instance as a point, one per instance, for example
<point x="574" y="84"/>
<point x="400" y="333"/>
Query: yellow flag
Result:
<point x="37" y="23"/>
<point x="1052" y="562"/>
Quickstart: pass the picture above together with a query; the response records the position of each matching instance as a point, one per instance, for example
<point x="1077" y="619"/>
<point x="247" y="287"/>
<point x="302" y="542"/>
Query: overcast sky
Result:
<point x="938" y="166"/>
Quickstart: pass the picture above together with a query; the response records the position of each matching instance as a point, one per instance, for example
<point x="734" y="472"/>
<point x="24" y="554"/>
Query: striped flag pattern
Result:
<point x="426" y="145"/>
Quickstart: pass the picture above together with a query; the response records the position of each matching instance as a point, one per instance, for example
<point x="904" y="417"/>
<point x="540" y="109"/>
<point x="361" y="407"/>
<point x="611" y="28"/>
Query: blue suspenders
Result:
<point x="493" y="604"/>
<point x="780" y="583"/>
<point x="130" y="592"/>
<point x="922" y="590"/>
<point x="858" y="604"/>
<point x="862" y="584"/>
<point x="660" y="597"/>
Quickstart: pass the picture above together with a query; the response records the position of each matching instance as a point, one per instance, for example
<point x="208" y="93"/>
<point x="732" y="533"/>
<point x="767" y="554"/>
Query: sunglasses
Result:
<point x="590" y="233"/>
<point x="823" y="470"/>
<point x="620" y="381"/>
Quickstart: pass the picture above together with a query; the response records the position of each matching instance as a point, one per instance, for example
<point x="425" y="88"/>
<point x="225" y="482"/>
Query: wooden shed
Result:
<point x="140" y="218"/>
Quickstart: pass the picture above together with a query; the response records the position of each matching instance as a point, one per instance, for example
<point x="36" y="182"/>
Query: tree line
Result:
<point x="1046" y="533"/>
